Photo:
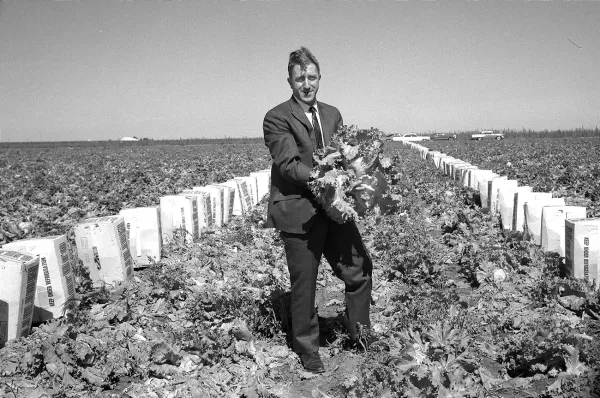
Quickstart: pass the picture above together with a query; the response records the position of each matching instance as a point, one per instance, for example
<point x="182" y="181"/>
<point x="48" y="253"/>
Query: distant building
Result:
<point x="129" y="139"/>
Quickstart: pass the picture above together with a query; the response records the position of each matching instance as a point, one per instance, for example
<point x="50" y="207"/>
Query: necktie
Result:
<point x="316" y="127"/>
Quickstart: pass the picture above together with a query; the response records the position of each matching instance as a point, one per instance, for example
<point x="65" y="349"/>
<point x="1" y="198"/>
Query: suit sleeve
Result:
<point x="284" y="151"/>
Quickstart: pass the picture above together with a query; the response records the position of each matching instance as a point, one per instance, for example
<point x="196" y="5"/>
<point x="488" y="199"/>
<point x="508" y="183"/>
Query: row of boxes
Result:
<point x="549" y="222"/>
<point x="36" y="275"/>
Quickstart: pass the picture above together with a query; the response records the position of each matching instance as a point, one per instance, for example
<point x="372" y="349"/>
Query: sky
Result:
<point x="104" y="69"/>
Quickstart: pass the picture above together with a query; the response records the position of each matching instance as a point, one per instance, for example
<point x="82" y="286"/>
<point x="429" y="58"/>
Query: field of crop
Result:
<point x="54" y="187"/>
<point x="567" y="167"/>
<point x="210" y="319"/>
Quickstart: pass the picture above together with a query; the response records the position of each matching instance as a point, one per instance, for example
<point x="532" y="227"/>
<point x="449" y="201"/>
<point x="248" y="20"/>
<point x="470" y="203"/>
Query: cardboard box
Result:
<point x="246" y="194"/>
<point x="533" y="216"/>
<point x="553" y="226"/>
<point x="204" y="203"/>
<point x="229" y="195"/>
<point x="216" y="201"/>
<point x="452" y="166"/>
<point x="582" y="249"/>
<point x="443" y="161"/>
<point x="252" y="188"/>
<point x="179" y="213"/>
<point x="18" y="281"/>
<point x="55" y="282"/>
<point x="478" y="176"/>
<point x="224" y="195"/>
<point x="445" y="164"/>
<point x="237" y="198"/>
<point x="494" y="185"/>
<point x="484" y="188"/>
<point x="456" y="168"/>
<point x="437" y="159"/>
<point x="465" y="175"/>
<point x="263" y="180"/>
<point x="506" y="204"/>
<point x="144" y="234"/>
<point x="431" y="155"/>
<point x="243" y="196"/>
<point x="522" y="197"/>
<point x="103" y="248"/>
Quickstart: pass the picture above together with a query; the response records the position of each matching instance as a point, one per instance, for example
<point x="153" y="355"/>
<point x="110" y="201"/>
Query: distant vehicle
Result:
<point x="443" y="136"/>
<point x="410" y="137"/>
<point x="487" y="135"/>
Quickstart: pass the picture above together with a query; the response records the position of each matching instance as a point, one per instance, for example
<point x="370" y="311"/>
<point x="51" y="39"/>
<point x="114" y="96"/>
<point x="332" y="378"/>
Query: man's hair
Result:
<point x="302" y="57"/>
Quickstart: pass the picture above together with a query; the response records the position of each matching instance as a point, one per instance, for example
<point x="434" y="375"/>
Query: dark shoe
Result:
<point x="312" y="362"/>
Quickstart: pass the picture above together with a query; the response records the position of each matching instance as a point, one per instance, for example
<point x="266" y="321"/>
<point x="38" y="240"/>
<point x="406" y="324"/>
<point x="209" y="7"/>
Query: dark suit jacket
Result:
<point x="286" y="128"/>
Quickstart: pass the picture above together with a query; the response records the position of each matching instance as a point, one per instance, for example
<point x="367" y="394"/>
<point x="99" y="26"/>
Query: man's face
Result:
<point x="305" y="83"/>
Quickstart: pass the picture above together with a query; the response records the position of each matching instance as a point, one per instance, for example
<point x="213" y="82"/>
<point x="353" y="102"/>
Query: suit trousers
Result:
<point x="342" y="246"/>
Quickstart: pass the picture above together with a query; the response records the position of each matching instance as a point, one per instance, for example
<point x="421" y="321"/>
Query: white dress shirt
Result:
<point x="308" y="114"/>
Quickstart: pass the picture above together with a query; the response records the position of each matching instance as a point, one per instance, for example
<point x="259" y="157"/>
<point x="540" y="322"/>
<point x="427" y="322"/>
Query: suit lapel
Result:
<point x="299" y="114"/>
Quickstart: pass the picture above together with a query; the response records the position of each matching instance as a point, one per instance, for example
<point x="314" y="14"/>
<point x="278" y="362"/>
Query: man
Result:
<point x="293" y="131"/>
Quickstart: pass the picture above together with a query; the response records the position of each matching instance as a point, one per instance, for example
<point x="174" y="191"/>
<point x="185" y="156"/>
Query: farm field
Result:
<point x="55" y="187"/>
<point x="567" y="167"/>
<point x="460" y="309"/>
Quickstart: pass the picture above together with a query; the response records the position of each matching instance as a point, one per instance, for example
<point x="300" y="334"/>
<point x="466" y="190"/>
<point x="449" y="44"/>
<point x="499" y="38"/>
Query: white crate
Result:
<point x="582" y="249"/>
<point x="143" y="231"/>
<point x="506" y="203"/>
<point x="432" y="155"/>
<point x="179" y="212"/>
<point x="243" y="201"/>
<point x="263" y="180"/>
<point x="103" y="248"/>
<point x="553" y="226"/>
<point x="451" y="167"/>
<point x="465" y="175"/>
<point x="229" y="198"/>
<point x="204" y="204"/>
<point x="55" y="282"/>
<point x="225" y="200"/>
<point x="522" y="197"/>
<point x="252" y="188"/>
<point x="484" y="188"/>
<point x="237" y="198"/>
<point x="437" y="159"/>
<point x="494" y="185"/>
<point x="216" y="201"/>
<point x="246" y="194"/>
<point x="533" y="216"/>
<point x="18" y="280"/>
<point x="456" y="168"/>
<point x="478" y="176"/>
<point x="443" y="160"/>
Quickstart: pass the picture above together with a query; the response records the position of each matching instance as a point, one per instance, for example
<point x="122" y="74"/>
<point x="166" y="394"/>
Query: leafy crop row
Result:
<point x="210" y="320"/>
<point x="46" y="191"/>
<point x="568" y="167"/>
